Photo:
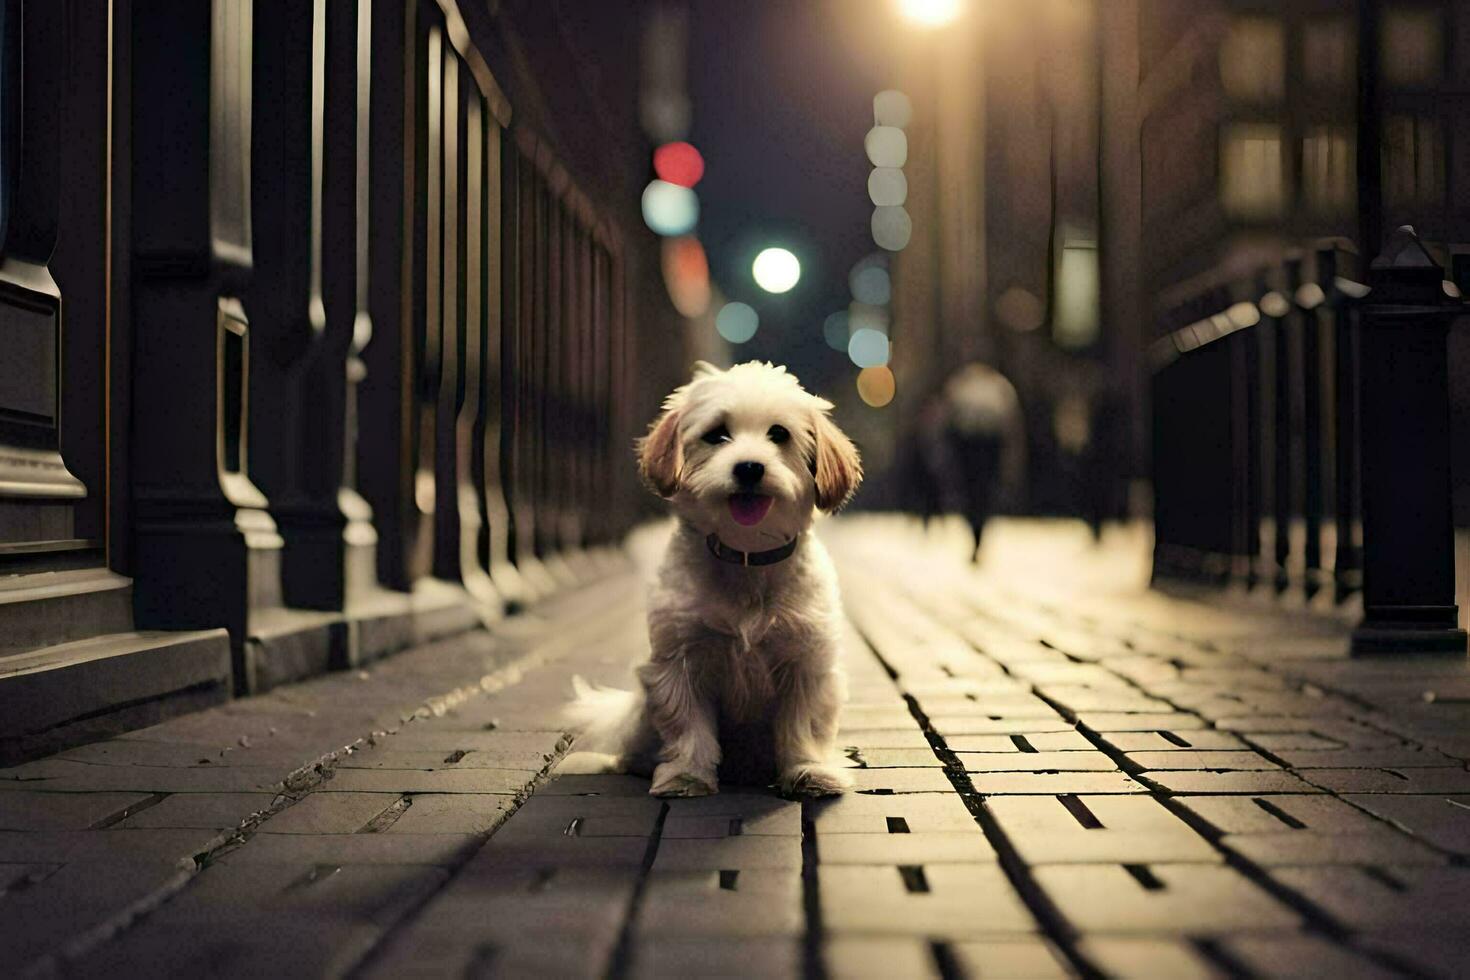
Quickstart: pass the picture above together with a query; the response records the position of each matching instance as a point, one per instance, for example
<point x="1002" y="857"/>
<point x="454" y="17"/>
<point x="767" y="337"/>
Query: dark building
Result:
<point x="324" y="330"/>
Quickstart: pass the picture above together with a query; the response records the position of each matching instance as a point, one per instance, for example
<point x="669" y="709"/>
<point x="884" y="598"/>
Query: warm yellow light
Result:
<point x="930" y="13"/>
<point x="875" y="386"/>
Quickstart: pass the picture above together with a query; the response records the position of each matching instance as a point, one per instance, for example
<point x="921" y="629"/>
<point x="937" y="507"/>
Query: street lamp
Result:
<point x="776" y="270"/>
<point x="930" y="13"/>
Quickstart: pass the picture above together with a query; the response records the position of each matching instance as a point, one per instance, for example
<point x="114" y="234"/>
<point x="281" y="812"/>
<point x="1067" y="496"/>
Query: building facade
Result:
<point x="326" y="328"/>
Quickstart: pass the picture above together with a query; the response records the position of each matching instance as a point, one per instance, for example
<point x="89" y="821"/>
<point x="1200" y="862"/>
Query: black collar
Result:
<point x="724" y="552"/>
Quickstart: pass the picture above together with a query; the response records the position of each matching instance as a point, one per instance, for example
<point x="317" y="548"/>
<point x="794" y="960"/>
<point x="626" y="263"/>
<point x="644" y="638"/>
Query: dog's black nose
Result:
<point x="749" y="474"/>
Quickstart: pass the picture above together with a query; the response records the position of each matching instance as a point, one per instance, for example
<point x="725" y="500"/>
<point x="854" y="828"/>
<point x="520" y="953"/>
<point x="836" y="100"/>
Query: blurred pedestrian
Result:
<point x="971" y="439"/>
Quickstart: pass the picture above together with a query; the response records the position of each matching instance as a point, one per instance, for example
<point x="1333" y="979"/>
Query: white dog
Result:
<point x="744" y="619"/>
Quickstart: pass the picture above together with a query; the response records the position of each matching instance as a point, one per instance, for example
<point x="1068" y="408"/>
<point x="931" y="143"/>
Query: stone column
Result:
<point x="207" y="552"/>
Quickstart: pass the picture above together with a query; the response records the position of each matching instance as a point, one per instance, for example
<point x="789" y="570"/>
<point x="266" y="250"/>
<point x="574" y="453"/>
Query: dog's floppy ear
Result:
<point x="660" y="454"/>
<point x="837" y="467"/>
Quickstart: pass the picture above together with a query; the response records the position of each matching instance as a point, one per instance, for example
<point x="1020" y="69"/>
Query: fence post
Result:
<point x="1408" y="538"/>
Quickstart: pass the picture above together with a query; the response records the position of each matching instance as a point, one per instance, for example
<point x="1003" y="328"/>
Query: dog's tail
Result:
<point x="604" y="719"/>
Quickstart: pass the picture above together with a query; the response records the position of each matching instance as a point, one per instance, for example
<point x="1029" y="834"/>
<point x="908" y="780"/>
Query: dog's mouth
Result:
<point x="749" y="509"/>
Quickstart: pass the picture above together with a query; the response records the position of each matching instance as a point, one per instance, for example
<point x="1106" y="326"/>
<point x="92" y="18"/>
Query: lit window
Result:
<point x="1253" y="60"/>
<point x="1328" y="169"/>
<point x="1078" y="302"/>
<point x="1411" y="51"/>
<point x="1252" y="173"/>
<point x="1413" y="161"/>
<point x="1329" y="53"/>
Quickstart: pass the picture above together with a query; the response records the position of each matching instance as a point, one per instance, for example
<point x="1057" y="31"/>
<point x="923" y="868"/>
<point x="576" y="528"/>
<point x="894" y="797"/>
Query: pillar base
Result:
<point x="1409" y="630"/>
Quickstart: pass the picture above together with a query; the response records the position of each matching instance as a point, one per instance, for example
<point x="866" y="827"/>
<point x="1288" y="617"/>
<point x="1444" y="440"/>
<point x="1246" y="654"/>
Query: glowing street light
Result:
<point x="776" y="270"/>
<point x="930" y="13"/>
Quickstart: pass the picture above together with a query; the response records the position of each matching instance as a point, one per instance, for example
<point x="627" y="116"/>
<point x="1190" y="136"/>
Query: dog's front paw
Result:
<point x="675" y="779"/>
<point x="813" y="779"/>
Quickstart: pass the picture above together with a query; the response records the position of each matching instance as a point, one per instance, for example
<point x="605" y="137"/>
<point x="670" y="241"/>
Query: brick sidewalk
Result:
<point x="1058" y="773"/>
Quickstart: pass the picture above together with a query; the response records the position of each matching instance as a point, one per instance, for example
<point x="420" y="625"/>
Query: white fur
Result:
<point x="742" y="680"/>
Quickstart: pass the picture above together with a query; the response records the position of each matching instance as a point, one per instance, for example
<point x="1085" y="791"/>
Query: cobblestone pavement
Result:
<point x="1058" y="774"/>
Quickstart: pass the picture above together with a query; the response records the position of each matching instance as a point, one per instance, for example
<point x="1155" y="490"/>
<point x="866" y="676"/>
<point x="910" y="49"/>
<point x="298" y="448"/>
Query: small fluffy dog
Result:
<point x="744" y="618"/>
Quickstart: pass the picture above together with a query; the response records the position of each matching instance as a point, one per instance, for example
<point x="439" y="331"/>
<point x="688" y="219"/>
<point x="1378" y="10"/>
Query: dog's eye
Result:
<point x="716" y="435"/>
<point x="778" y="434"/>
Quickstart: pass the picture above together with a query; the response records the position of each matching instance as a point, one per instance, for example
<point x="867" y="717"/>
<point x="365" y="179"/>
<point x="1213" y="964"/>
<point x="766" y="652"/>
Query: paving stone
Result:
<point x="234" y="949"/>
<point x="1288" y="957"/>
<point x="329" y="813"/>
<point x="1276" y="742"/>
<point x="421" y="781"/>
<point x="1384" y="898"/>
<point x="888" y="781"/>
<point x="1151" y="958"/>
<point x="1296" y="848"/>
<point x="1054" y="784"/>
<point x="550" y="817"/>
<point x="1093" y="829"/>
<point x="1432" y="952"/>
<point x="728" y="853"/>
<point x="1395" y="758"/>
<point x="1192" y="899"/>
<point x="919" y="847"/>
<point x="893" y="758"/>
<point x="1192" y="761"/>
<point x="1011" y="706"/>
<point x="508" y="744"/>
<point x="1416" y="781"/>
<point x="909" y="813"/>
<point x="1111" y="700"/>
<point x="217" y="811"/>
<point x="880" y="958"/>
<point x="979" y="724"/>
<point x="451" y="813"/>
<point x="1211" y="783"/>
<point x="1344" y="731"/>
<point x="886" y="738"/>
<point x="1019" y="959"/>
<point x="668" y="959"/>
<point x="594" y="785"/>
<point x="1267" y="814"/>
<point x="1443" y="821"/>
<point x="962" y="901"/>
<point x="1186" y="741"/>
<point x="722" y="903"/>
<point x="446" y="850"/>
<point x="102" y="846"/>
<point x="1067" y="741"/>
<point x="759" y="814"/>
<point x="393" y="758"/>
<point x="1112" y="721"/>
<point x="987" y="762"/>
<point x="68" y="776"/>
<point x="377" y="893"/>
<point x="24" y="810"/>
<point x="857" y="719"/>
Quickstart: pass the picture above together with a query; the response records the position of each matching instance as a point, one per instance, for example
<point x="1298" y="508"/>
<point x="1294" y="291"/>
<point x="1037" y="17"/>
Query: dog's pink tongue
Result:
<point x="749" y="509"/>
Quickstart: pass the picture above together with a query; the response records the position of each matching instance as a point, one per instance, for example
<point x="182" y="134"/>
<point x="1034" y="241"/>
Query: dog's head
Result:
<point x="750" y="454"/>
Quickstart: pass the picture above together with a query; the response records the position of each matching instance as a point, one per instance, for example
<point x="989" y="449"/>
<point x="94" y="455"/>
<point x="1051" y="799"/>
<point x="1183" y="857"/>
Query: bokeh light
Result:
<point x="876" y="386"/>
<point x="1244" y="315"/>
<point x="678" y="163"/>
<point x="870" y="285"/>
<point x="1020" y="310"/>
<point x="892" y="108"/>
<point x="886" y="146"/>
<point x="737" y="322"/>
<point x="776" y="270"/>
<point x="887" y="186"/>
<point x="686" y="275"/>
<point x="834" y="330"/>
<point x="930" y="13"/>
<point x="868" y="348"/>
<point x="669" y="209"/>
<point x="892" y="228"/>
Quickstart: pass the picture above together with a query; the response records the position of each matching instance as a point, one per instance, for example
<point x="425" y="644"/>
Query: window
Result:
<point x="1413" y="161"/>
<point x="1253" y="60"/>
<point x="1411" y="46"/>
<point x="1252" y="172"/>
<point x="1329" y="54"/>
<point x="1329" y="170"/>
